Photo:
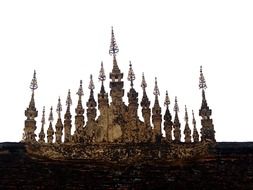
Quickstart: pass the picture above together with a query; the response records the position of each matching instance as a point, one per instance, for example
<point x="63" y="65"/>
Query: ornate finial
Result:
<point x="91" y="85"/>
<point x="131" y="75"/>
<point x="43" y="121"/>
<point x="69" y="100"/>
<point x="193" y="119"/>
<point x="143" y="82"/>
<point x="34" y="84"/>
<point x="202" y="81"/>
<point x="156" y="89"/>
<point x="176" y="108"/>
<point x="59" y="107"/>
<point x="113" y="47"/>
<point x="186" y="118"/>
<point x="51" y="118"/>
<point x="102" y="76"/>
<point x="167" y="100"/>
<point x="80" y="90"/>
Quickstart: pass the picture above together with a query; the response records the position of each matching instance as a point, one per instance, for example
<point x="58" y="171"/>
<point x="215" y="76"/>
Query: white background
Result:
<point x="65" y="41"/>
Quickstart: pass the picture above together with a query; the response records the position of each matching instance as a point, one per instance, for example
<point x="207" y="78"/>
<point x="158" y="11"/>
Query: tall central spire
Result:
<point x="114" y="49"/>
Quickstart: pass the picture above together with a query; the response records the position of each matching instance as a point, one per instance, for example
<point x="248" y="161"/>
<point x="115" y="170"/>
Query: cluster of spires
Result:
<point x="117" y="122"/>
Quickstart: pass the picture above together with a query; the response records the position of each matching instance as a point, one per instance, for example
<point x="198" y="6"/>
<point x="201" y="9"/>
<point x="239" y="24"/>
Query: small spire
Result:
<point x="102" y="76"/>
<point x="91" y="85"/>
<point x="69" y="100"/>
<point x="113" y="47"/>
<point x="202" y="81"/>
<point x="186" y="118"/>
<point x="176" y="108"/>
<point x="156" y="89"/>
<point x="195" y="134"/>
<point x="34" y="84"/>
<point x="59" y="107"/>
<point x="51" y="118"/>
<point x="80" y="90"/>
<point x="143" y="82"/>
<point x="131" y="75"/>
<point x="43" y="121"/>
<point x="167" y="100"/>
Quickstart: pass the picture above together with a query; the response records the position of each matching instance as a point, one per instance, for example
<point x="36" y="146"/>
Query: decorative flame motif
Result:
<point x="113" y="47"/>
<point x="91" y="85"/>
<point x="34" y="84"/>
<point x="102" y="76"/>
<point x="167" y="99"/>
<point x="202" y="81"/>
<point x="156" y="89"/>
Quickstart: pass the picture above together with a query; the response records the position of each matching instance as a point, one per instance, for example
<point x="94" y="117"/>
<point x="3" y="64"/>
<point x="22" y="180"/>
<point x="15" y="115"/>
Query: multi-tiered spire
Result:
<point x="31" y="113"/>
<point x="176" y="125"/>
<point x="59" y="125"/>
<point x="42" y="133"/>
<point x="118" y="122"/>
<point x="187" y="130"/>
<point x="91" y="104"/>
<point x="167" y="119"/>
<point x="195" y="134"/>
<point x="79" y="118"/>
<point x="207" y="130"/>
<point x="156" y="115"/>
<point x="67" y="120"/>
<point x="146" y="112"/>
<point x="50" y="130"/>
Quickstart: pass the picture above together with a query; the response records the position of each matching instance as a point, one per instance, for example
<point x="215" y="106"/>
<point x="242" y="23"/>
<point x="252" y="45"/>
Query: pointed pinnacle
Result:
<point x="156" y="89"/>
<point x="186" y="118"/>
<point x="59" y="107"/>
<point x="43" y="121"/>
<point x="80" y="90"/>
<point x="34" y="84"/>
<point x="202" y="81"/>
<point x="69" y="100"/>
<point x="131" y="75"/>
<point x="113" y="47"/>
<point x="176" y="108"/>
<point x="51" y="118"/>
<point x="102" y="76"/>
<point x="143" y="82"/>
<point x="167" y="100"/>
<point x="91" y="85"/>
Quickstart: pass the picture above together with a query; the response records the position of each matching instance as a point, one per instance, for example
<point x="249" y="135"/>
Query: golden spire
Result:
<point x="59" y="107"/>
<point x="195" y="134"/>
<point x="131" y="75"/>
<point x="43" y="121"/>
<point x="42" y="133"/>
